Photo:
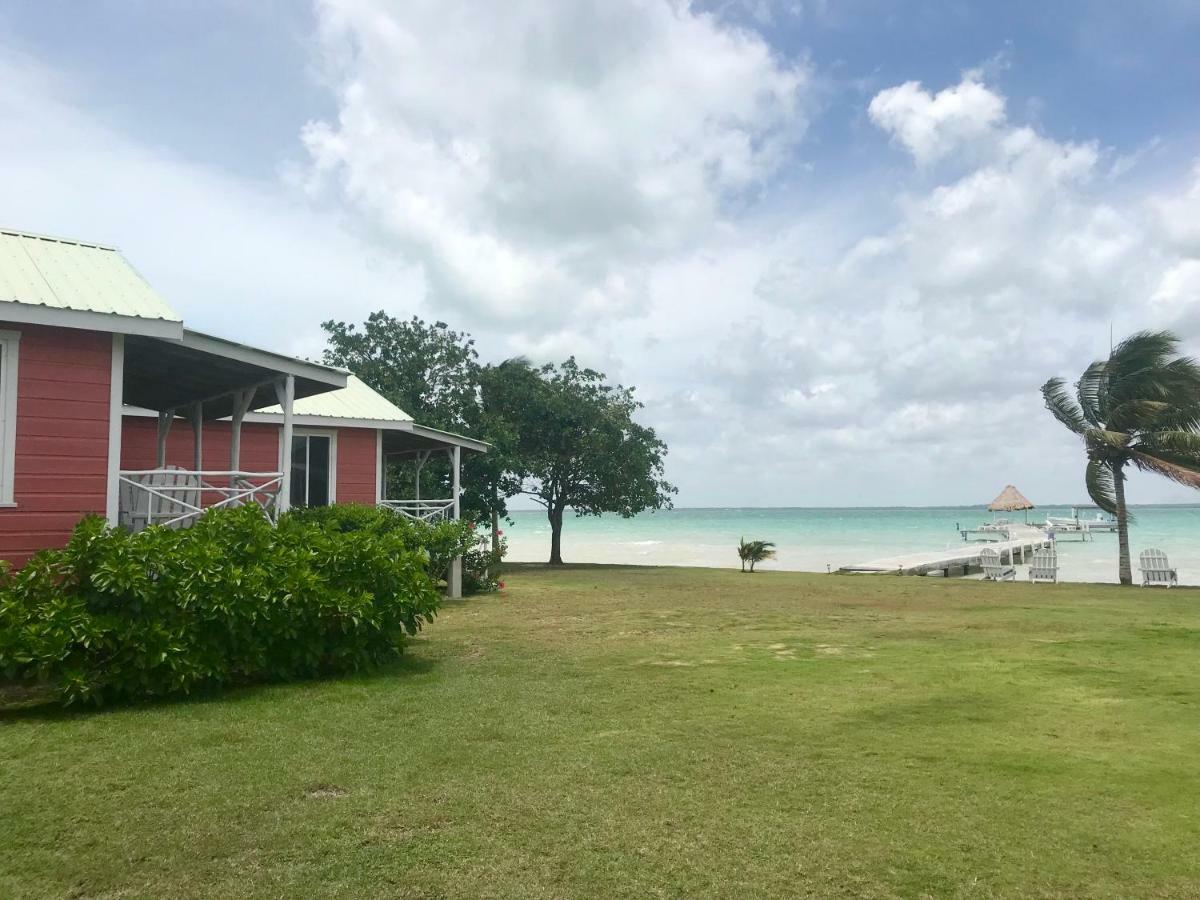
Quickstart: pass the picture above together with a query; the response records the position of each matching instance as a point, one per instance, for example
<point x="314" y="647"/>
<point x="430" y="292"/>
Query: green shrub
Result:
<point x="115" y="615"/>
<point x="441" y="540"/>
<point x="481" y="565"/>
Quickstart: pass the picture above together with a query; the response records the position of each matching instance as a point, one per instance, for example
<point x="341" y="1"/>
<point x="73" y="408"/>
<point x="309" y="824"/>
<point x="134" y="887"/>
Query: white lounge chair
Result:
<point x="1043" y="565"/>
<point x="993" y="568"/>
<point x="166" y="494"/>
<point x="1156" y="569"/>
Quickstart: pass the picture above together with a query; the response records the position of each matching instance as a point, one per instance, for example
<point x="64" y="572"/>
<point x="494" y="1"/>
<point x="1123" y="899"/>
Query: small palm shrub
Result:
<point x="754" y="552"/>
<point x="116" y="616"/>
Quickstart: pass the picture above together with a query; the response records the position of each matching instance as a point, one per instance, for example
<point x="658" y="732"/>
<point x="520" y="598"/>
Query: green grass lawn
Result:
<point x="631" y="732"/>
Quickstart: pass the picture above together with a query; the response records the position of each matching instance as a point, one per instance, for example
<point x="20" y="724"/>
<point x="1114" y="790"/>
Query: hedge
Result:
<point x="230" y="600"/>
<point x="443" y="540"/>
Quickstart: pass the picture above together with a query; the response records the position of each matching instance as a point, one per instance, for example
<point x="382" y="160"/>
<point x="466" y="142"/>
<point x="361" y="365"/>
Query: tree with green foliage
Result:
<point x="433" y="373"/>
<point x="503" y="391"/>
<point x="578" y="447"/>
<point x="754" y="552"/>
<point x="1139" y="407"/>
<point x="428" y="370"/>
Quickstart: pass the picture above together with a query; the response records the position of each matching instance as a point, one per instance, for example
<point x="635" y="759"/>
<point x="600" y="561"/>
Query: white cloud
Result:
<point x="907" y="357"/>
<point x="535" y="157"/>
<point x="931" y="126"/>
<point x="591" y="185"/>
<point x="237" y="258"/>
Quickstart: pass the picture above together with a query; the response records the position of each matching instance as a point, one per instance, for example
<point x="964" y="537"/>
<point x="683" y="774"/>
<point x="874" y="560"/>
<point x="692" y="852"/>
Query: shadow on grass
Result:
<point x="20" y="702"/>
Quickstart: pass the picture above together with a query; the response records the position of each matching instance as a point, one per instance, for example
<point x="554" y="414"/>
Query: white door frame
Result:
<point x="285" y="454"/>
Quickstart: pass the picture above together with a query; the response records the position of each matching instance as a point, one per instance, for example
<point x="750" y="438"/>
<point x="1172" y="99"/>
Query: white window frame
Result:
<point x="285" y="455"/>
<point x="10" y="345"/>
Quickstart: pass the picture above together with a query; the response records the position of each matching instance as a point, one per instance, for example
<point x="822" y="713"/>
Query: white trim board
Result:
<point x="116" y="393"/>
<point x="285" y="456"/>
<point x="275" y="362"/>
<point x="10" y="346"/>
<point x="86" y="320"/>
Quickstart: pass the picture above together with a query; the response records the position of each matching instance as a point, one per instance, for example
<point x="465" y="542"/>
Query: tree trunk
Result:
<point x="1124" y="568"/>
<point x="555" y="515"/>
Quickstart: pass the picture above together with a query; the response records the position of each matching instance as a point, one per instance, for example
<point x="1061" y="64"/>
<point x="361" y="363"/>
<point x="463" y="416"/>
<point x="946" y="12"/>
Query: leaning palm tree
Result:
<point x="1141" y="408"/>
<point x="755" y="552"/>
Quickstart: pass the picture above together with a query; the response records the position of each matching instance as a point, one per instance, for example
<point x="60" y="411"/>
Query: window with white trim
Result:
<point x="314" y="456"/>
<point x="9" y="345"/>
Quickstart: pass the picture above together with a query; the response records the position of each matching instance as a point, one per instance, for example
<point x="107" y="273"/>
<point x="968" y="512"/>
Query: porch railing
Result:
<point x="177" y="497"/>
<point x="422" y="510"/>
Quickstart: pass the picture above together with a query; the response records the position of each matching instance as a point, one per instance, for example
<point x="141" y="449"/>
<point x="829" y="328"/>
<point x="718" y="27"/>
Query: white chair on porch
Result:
<point x="1043" y="565"/>
<point x="1156" y="569"/>
<point x="993" y="568"/>
<point x="161" y="497"/>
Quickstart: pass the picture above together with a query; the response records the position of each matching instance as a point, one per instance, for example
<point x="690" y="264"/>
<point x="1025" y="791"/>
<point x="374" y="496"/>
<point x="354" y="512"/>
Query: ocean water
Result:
<point x="817" y="540"/>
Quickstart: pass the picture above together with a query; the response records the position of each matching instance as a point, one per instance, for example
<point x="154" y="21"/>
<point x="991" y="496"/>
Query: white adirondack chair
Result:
<point x="139" y="507"/>
<point x="1156" y="569"/>
<point x="993" y="568"/>
<point x="1043" y="565"/>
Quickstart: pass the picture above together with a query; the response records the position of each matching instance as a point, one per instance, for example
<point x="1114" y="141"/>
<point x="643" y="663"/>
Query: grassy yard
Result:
<point x="656" y="732"/>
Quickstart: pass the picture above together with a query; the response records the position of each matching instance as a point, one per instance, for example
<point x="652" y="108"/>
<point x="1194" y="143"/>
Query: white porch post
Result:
<point x="380" y="490"/>
<point x="420" y="456"/>
<point x="286" y="389"/>
<point x="241" y="403"/>
<point x="116" y="404"/>
<point x="454" y="582"/>
<point x="165" y="418"/>
<point x="197" y="416"/>
<point x="456" y="457"/>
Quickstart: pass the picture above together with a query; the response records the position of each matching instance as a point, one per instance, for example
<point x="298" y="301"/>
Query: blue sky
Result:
<point x="849" y="239"/>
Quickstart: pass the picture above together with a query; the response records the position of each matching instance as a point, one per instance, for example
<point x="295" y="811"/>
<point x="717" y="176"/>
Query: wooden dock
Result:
<point x="1023" y="540"/>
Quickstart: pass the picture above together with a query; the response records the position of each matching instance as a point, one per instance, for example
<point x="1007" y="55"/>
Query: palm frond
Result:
<point x="1101" y="486"/>
<point x="1062" y="406"/>
<point x="1183" y="445"/>
<point x="1135" y="414"/>
<point x="1139" y="367"/>
<point x="1092" y="391"/>
<point x="1177" y="472"/>
<point x="1103" y="437"/>
<point x="1141" y="351"/>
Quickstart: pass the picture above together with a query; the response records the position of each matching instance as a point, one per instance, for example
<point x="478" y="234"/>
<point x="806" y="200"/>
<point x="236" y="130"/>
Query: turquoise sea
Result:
<point x="813" y="540"/>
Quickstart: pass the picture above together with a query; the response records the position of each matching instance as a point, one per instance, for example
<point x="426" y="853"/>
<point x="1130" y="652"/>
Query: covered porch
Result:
<point x="186" y="383"/>
<point x="405" y="450"/>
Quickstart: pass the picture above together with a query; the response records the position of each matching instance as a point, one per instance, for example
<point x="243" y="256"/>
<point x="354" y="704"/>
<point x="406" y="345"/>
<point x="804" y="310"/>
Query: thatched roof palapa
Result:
<point x="1010" y="498"/>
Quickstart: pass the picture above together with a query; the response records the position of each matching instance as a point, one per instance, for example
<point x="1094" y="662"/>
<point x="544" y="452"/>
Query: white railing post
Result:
<point x="454" y="582"/>
<point x="286" y="391"/>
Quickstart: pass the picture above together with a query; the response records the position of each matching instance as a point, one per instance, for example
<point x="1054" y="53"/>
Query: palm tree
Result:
<point x="1139" y="407"/>
<point x="755" y="552"/>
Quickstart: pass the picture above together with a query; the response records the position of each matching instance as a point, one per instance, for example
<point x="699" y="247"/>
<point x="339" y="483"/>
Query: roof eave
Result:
<point x="267" y="359"/>
<point x="87" y="320"/>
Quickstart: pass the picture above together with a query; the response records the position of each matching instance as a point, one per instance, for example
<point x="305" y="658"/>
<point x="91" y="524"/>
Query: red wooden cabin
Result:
<point x="109" y="405"/>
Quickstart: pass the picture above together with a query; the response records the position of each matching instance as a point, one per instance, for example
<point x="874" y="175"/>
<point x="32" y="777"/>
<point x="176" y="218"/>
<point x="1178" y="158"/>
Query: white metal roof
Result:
<point x="355" y="401"/>
<point x="55" y="278"/>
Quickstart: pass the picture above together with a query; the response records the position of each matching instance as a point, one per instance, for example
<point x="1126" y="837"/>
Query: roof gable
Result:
<point x="357" y="401"/>
<point x="87" y="285"/>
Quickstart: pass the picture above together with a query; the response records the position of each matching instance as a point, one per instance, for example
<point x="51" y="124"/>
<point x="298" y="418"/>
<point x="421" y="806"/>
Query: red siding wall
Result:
<point x="61" y="465"/>
<point x="355" y="477"/>
<point x="356" y="456"/>
<point x="139" y="445"/>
